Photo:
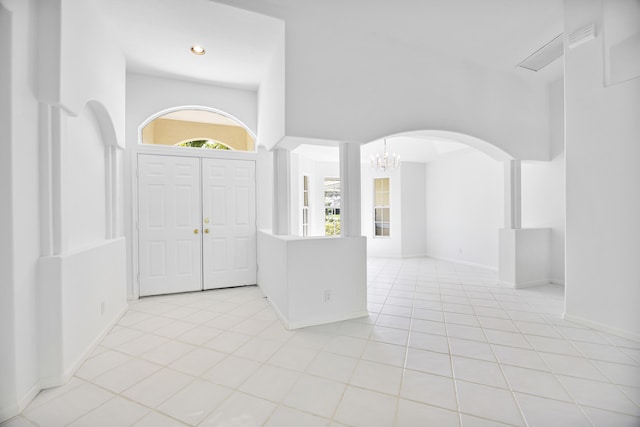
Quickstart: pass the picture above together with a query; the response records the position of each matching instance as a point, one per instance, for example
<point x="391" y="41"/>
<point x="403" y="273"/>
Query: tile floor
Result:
<point x="443" y="346"/>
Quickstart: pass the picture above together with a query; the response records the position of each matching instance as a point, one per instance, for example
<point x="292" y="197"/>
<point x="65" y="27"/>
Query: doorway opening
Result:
<point x="196" y="223"/>
<point x="444" y="200"/>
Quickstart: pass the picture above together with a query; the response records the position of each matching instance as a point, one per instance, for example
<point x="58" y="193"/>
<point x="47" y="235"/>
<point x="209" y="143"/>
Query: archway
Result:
<point x="522" y="256"/>
<point x="486" y="147"/>
<point x="444" y="201"/>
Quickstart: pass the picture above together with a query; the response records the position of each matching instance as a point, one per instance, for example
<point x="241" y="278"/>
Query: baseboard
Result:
<point x="525" y="285"/>
<point x="325" y="320"/>
<point x="601" y="327"/>
<point x="413" y="256"/>
<point x="56" y="381"/>
<point x="531" y="284"/>
<point x="85" y="354"/>
<point x="396" y="256"/>
<point x="281" y="317"/>
<point x="18" y="407"/>
<point x="290" y="325"/>
<point x="469" y="263"/>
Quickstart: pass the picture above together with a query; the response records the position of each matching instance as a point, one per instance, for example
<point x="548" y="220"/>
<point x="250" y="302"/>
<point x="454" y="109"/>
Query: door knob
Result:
<point x="206" y="230"/>
<point x="206" y="221"/>
<point x="196" y="231"/>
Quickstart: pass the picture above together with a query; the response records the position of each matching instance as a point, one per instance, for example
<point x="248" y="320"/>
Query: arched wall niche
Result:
<point x="94" y="160"/>
<point x="107" y="128"/>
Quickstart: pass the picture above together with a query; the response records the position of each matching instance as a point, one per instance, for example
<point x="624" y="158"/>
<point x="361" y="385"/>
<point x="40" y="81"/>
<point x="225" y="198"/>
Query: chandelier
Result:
<point x="386" y="162"/>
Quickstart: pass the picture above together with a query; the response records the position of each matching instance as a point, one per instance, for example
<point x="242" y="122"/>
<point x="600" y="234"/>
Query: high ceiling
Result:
<point x="156" y="34"/>
<point x="240" y="36"/>
<point x="156" y="37"/>
<point x="497" y="34"/>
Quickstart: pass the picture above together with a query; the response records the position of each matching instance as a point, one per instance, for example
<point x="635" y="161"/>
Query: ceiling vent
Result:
<point x="582" y="35"/>
<point x="545" y="55"/>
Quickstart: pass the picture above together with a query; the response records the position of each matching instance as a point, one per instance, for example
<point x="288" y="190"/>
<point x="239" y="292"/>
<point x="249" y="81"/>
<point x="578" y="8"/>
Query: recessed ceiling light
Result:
<point x="196" y="49"/>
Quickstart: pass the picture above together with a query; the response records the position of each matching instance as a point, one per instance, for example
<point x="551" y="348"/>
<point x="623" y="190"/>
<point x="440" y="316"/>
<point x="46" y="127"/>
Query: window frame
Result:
<point x="382" y="207"/>
<point x="336" y="225"/>
<point x="304" y="220"/>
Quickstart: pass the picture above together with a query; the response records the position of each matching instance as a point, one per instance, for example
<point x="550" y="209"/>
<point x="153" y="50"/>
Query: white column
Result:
<point x="350" y="216"/>
<point x="512" y="195"/>
<point x="281" y="192"/>
<point x="57" y="133"/>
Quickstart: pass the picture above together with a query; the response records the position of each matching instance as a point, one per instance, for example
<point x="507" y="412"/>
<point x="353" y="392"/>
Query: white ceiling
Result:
<point x="156" y="35"/>
<point x="497" y="34"/>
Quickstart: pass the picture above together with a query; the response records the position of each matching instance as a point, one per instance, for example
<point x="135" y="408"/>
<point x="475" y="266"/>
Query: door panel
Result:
<point x="170" y="254"/>
<point x="229" y="249"/>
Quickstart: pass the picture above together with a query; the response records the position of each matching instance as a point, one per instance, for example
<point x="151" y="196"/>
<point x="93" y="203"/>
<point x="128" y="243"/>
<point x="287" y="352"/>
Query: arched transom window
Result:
<point x="196" y="128"/>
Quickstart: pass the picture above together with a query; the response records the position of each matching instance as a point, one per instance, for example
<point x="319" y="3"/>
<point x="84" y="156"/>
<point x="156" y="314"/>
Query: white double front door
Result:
<point x="196" y="223"/>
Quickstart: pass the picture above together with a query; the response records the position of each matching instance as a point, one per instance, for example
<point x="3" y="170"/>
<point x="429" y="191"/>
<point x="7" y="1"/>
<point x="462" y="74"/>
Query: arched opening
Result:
<point x="197" y="127"/>
<point x="445" y="200"/>
<point x="460" y="199"/>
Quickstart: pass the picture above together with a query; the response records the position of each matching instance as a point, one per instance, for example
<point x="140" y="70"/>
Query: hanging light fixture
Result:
<point x="386" y="162"/>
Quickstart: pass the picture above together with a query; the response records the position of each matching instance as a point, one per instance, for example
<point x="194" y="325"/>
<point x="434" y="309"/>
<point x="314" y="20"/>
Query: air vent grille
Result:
<point x="545" y="55"/>
<point x="582" y="35"/>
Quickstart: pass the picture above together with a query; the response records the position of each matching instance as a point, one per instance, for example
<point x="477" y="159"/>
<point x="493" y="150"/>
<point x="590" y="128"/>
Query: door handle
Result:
<point x="196" y="231"/>
<point x="206" y="230"/>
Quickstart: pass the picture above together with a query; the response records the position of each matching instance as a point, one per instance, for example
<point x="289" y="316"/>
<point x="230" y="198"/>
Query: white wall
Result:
<point x="543" y="207"/>
<point x="543" y="194"/>
<point x="87" y="122"/>
<point x="271" y="103"/>
<point x="84" y="181"/>
<point x="83" y="70"/>
<point x="414" y="209"/>
<point x="7" y="307"/>
<point x="55" y="121"/>
<point x="464" y="208"/>
<point x="328" y="79"/>
<point x="296" y="273"/>
<point x="19" y="216"/>
<point x="149" y="95"/>
<point x="602" y="176"/>
<point x="264" y="188"/>
<point x="558" y="171"/>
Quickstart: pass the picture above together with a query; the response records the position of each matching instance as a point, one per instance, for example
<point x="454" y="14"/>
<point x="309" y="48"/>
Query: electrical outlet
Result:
<point x="102" y="308"/>
<point x="327" y="296"/>
<point x="460" y="250"/>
